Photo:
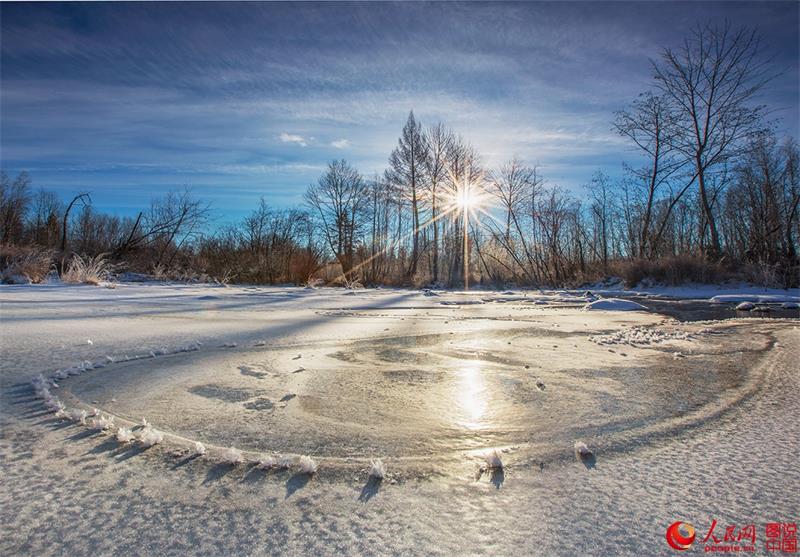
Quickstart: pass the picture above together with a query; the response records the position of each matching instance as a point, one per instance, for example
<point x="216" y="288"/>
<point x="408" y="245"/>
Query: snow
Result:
<point x="771" y="298"/>
<point x="613" y="304"/>
<point x="428" y="387"/>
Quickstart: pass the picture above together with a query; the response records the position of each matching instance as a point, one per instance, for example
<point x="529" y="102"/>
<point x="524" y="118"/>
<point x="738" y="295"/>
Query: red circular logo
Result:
<point x="676" y="539"/>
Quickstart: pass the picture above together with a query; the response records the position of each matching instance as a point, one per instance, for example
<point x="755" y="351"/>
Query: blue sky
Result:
<point x="243" y="100"/>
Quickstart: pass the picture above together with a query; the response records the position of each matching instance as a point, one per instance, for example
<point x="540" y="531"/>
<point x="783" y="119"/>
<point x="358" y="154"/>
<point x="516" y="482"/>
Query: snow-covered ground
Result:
<point x="474" y="403"/>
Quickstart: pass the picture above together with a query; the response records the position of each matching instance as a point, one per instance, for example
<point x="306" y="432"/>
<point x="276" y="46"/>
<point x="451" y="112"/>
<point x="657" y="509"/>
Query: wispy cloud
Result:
<point x="101" y="97"/>
<point x="294" y="138"/>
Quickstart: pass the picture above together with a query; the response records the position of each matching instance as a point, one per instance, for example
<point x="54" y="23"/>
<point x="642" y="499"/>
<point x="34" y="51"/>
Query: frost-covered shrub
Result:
<point x="267" y="463"/>
<point x="199" y="449"/>
<point x="87" y="270"/>
<point x="102" y="423"/>
<point x="78" y="415"/>
<point x="54" y="405"/>
<point x="285" y="462"/>
<point x="581" y="450"/>
<point x="27" y="266"/>
<point x="124" y="435"/>
<point x="376" y="469"/>
<point x="306" y="465"/>
<point x="150" y="436"/>
<point x="493" y="460"/>
<point x="233" y="456"/>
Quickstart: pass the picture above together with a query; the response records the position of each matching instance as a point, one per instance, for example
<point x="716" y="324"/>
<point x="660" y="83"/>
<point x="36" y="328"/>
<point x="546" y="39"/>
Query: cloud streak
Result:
<point x="255" y="98"/>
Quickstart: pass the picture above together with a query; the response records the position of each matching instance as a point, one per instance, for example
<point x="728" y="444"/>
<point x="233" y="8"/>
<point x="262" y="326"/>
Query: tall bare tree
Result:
<point x="437" y="141"/>
<point x="711" y="81"/>
<point x="649" y="124"/>
<point x="340" y="200"/>
<point x="406" y="168"/>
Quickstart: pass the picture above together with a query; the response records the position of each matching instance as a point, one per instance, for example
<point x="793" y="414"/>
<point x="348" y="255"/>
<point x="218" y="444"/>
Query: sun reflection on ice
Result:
<point x="472" y="396"/>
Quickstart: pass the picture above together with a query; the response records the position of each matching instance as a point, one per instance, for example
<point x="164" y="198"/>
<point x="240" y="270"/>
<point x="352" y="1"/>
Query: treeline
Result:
<point x="715" y="195"/>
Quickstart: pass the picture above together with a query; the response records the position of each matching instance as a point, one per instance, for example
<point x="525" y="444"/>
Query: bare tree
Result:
<point x="649" y="124"/>
<point x="14" y="202"/>
<point x="339" y="200"/>
<point x="438" y="142"/>
<point x="710" y="81"/>
<point x="406" y="168"/>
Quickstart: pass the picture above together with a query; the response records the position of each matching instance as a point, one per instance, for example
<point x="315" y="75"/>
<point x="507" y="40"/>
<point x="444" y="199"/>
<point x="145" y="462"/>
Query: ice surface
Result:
<point x="429" y="387"/>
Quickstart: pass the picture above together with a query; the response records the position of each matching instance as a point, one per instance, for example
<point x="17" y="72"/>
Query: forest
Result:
<point x="713" y="196"/>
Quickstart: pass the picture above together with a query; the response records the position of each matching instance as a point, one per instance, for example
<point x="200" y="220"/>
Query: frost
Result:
<point x="54" y="405"/>
<point x="233" y="456"/>
<point x="307" y="465"/>
<point x="581" y="450"/>
<point x="102" y="423"/>
<point x="266" y="463"/>
<point x="124" y="435"/>
<point x="110" y="359"/>
<point x="78" y="415"/>
<point x="150" y="436"/>
<point x="285" y="462"/>
<point x="199" y="448"/>
<point x="639" y="336"/>
<point x="613" y="304"/>
<point x="493" y="460"/>
<point x="89" y="341"/>
<point x="145" y="423"/>
<point x="96" y="412"/>
<point x="376" y="469"/>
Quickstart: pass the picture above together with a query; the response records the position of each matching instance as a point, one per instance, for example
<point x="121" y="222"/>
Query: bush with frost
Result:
<point x="493" y="459"/>
<point x="306" y="465"/>
<point x="102" y="423"/>
<point x="124" y="435"/>
<point x="233" y="456"/>
<point x="266" y="463"/>
<point x="150" y="436"/>
<point x="199" y="449"/>
<point x="582" y="450"/>
<point x="78" y="415"/>
<point x="376" y="469"/>
<point x="87" y="270"/>
<point x="27" y="266"/>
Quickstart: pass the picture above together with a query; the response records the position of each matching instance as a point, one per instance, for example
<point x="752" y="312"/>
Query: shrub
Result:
<point x="671" y="270"/>
<point x="25" y="265"/>
<point x="87" y="270"/>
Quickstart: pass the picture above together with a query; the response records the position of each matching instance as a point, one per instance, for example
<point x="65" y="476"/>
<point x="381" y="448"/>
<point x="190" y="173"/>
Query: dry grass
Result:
<point x="87" y="270"/>
<point x="25" y="264"/>
<point x="671" y="271"/>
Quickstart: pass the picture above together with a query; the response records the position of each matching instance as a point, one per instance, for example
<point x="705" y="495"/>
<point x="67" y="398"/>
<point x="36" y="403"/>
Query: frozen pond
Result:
<point x="681" y="413"/>
<point x="432" y="386"/>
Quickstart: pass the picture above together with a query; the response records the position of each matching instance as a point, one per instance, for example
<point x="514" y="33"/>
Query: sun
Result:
<point x="465" y="199"/>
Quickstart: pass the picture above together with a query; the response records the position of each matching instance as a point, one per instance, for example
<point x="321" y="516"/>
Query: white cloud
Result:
<point x="340" y="143"/>
<point x="293" y="138"/>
